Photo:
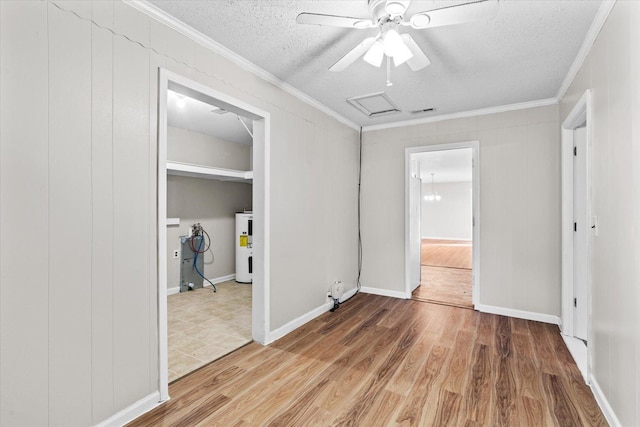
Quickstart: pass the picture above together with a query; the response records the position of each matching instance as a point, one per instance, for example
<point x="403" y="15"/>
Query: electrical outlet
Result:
<point x="176" y="253"/>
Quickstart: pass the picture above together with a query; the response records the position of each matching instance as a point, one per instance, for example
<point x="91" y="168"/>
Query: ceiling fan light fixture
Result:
<point x="420" y="21"/>
<point x="375" y="54"/>
<point x="392" y="42"/>
<point x="402" y="55"/>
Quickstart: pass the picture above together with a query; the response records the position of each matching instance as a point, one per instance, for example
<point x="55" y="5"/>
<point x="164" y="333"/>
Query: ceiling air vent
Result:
<point x="424" y="110"/>
<point x="376" y="104"/>
<point x="218" y="110"/>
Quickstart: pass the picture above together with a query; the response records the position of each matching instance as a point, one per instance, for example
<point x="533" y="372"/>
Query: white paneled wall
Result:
<point x="519" y="204"/>
<point x="24" y="219"/>
<point x="78" y="279"/>
<point x="612" y="71"/>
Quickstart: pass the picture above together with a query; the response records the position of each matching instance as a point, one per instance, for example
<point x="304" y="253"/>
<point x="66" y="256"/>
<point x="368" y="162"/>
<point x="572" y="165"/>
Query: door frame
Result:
<point x="580" y="113"/>
<point x="260" y="199"/>
<point x="409" y="152"/>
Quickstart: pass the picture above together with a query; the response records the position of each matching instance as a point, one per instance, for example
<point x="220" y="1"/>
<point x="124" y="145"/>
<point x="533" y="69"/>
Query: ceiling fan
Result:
<point x="388" y="16"/>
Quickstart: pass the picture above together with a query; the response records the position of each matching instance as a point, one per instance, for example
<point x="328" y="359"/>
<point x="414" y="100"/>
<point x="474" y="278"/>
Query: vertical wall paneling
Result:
<point x="70" y="228"/>
<point x="24" y="262"/>
<point x="78" y="226"/>
<point x="102" y="314"/>
<point x="131" y="218"/>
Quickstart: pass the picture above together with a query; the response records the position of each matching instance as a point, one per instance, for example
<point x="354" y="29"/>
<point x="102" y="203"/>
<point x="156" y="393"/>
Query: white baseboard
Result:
<point x="603" y="403"/>
<point x="175" y="290"/>
<point x="578" y="350"/>
<point x="307" y="317"/>
<point x="520" y="314"/>
<point x="132" y="412"/>
<point x="383" y="292"/>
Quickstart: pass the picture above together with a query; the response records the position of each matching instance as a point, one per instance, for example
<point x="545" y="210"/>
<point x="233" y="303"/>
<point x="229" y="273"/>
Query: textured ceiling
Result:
<point x="523" y="54"/>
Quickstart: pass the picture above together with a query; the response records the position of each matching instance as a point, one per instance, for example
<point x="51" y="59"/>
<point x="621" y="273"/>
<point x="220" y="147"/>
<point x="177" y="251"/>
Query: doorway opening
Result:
<point x="212" y="208"/>
<point x="442" y="232"/>
<point x="578" y="227"/>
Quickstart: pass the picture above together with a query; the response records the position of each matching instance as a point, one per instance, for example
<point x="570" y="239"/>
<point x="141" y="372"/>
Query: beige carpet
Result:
<point x="446" y="253"/>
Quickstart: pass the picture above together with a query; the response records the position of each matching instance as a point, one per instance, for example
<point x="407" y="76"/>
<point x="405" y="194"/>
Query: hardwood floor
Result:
<point x="446" y="253"/>
<point x="446" y="275"/>
<point x="443" y="285"/>
<point x="379" y="361"/>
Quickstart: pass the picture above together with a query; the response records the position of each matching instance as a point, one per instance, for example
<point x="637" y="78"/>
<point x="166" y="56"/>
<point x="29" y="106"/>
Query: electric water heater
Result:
<point x="244" y="247"/>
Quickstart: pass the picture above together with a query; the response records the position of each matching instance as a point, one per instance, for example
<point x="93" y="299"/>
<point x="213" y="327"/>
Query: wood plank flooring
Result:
<point x="446" y="253"/>
<point x="444" y="285"/>
<point x="379" y="361"/>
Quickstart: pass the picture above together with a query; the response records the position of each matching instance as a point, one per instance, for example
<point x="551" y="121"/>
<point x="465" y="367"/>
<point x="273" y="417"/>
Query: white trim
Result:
<point x="215" y="281"/>
<point x="384" y="292"/>
<point x="195" y="35"/>
<point x="603" y="403"/>
<point x="475" y="182"/>
<point x="597" y="24"/>
<point x="519" y="314"/>
<point x="163" y="340"/>
<point x="261" y="203"/>
<point x="578" y="350"/>
<point x="471" y="113"/>
<point x="132" y="412"/>
<point x="305" y="318"/>
<point x="579" y="113"/>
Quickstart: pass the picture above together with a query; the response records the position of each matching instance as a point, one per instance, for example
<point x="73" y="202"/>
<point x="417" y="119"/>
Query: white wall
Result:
<point x="78" y="124"/>
<point x="451" y="217"/>
<point x="612" y="71"/>
<point x="519" y="204"/>
<point x="192" y="147"/>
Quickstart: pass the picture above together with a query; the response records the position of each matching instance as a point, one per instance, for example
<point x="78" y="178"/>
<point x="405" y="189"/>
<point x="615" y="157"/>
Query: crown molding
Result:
<point x="184" y="29"/>
<point x="590" y="38"/>
<point x="462" y="114"/>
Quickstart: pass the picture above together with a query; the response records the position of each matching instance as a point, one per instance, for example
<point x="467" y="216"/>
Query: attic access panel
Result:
<point x="373" y="105"/>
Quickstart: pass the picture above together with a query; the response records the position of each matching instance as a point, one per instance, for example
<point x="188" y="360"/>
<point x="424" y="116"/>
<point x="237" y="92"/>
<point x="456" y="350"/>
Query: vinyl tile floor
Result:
<point x="204" y="326"/>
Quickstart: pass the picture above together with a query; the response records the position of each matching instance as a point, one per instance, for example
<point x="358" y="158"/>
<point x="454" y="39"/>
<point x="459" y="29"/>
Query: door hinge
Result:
<point x="575" y="151"/>
<point x="575" y="302"/>
<point x="575" y="226"/>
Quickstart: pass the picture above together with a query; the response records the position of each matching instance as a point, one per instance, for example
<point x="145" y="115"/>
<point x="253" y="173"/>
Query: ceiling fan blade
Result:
<point x="334" y="21"/>
<point x="419" y="60"/>
<point x="353" y="54"/>
<point x="452" y="15"/>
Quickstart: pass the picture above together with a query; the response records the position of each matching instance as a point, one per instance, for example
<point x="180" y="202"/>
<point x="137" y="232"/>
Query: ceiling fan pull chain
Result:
<point x="389" y="71"/>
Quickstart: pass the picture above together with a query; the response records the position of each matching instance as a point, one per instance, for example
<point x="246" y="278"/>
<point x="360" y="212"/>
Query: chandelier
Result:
<point x="433" y="196"/>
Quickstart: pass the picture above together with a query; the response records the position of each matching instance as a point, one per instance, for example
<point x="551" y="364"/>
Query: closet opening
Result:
<point x="212" y="228"/>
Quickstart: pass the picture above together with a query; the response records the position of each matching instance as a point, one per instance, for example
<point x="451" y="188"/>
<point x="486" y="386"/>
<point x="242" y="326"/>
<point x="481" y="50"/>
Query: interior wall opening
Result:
<point x="579" y="227"/>
<point x="442" y="234"/>
<point x="212" y="226"/>
<point x="209" y="239"/>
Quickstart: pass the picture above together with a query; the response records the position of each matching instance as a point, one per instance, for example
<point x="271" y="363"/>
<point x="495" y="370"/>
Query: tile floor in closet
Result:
<point x="204" y="326"/>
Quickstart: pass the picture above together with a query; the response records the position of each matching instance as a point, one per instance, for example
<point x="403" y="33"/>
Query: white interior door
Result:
<point x="415" y="205"/>
<point x="581" y="233"/>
